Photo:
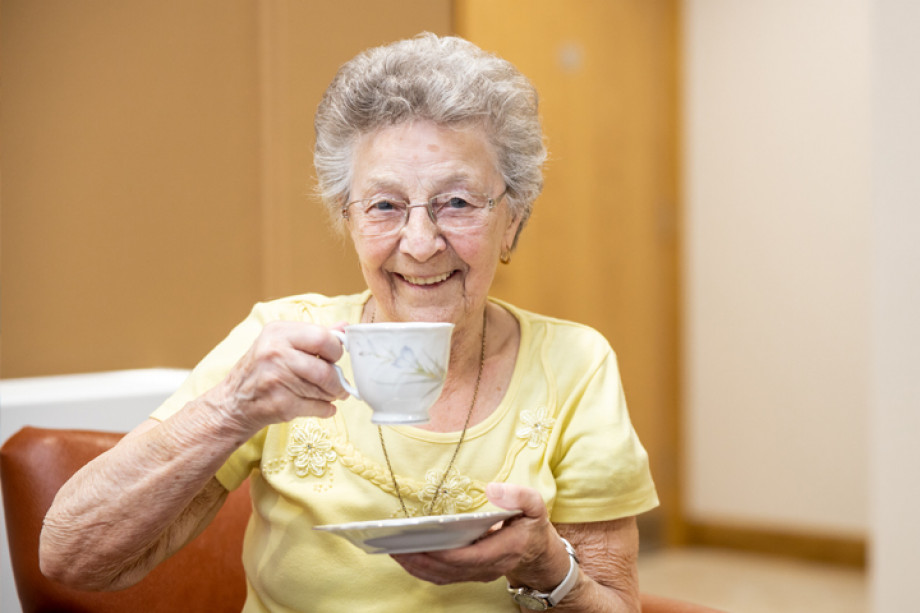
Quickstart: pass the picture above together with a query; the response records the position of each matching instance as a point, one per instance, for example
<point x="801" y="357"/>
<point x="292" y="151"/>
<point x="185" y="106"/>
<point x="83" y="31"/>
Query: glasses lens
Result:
<point x="459" y="210"/>
<point x="378" y="216"/>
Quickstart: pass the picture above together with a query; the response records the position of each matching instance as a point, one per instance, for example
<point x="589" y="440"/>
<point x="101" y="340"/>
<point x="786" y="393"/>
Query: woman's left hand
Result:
<point x="526" y="549"/>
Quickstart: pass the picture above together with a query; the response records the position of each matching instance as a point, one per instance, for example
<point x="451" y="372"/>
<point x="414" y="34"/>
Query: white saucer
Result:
<point x="413" y="534"/>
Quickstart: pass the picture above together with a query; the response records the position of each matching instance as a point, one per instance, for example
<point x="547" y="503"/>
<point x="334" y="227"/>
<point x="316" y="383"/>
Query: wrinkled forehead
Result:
<point x="424" y="158"/>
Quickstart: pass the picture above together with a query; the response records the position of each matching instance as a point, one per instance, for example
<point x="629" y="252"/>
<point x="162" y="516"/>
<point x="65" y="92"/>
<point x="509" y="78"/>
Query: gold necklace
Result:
<point x="429" y="508"/>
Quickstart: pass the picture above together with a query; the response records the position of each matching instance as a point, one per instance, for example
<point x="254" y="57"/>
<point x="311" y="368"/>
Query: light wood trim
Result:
<point x="825" y="548"/>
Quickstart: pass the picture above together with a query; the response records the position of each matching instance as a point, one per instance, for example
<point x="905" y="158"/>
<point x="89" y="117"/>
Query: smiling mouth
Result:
<point x="427" y="280"/>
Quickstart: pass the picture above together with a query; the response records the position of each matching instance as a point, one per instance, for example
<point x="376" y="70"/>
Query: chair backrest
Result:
<point x="207" y="575"/>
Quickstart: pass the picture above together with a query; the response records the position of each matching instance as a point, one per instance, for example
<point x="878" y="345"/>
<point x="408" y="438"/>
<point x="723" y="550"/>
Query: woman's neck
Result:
<point x="468" y="348"/>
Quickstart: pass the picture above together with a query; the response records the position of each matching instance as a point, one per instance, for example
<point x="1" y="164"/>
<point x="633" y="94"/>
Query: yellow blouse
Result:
<point x="562" y="428"/>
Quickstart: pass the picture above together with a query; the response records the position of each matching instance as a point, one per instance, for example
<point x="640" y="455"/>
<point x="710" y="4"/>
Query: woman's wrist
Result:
<point x="541" y="598"/>
<point x="545" y="572"/>
<point x="223" y="413"/>
<point x="209" y="421"/>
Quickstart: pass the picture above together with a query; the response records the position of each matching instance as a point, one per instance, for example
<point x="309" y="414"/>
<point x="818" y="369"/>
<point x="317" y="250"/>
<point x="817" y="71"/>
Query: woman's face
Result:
<point x="422" y="273"/>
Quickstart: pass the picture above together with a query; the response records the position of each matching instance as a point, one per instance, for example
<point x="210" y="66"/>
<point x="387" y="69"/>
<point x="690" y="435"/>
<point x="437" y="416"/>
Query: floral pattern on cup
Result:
<point x="410" y="365"/>
<point x="398" y="368"/>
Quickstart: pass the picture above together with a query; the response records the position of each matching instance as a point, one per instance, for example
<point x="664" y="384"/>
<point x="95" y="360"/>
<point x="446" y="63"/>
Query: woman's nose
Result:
<point x="420" y="237"/>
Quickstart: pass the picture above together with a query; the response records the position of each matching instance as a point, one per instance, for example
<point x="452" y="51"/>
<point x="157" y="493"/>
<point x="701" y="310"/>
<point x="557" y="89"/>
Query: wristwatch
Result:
<point x="530" y="598"/>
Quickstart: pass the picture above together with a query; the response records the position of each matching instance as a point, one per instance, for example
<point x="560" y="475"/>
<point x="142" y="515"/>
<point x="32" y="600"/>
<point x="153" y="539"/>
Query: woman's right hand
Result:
<point x="287" y="373"/>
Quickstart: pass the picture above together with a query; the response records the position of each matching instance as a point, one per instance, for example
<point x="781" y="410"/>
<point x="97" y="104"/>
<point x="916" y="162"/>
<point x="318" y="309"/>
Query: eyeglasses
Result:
<point x="451" y="211"/>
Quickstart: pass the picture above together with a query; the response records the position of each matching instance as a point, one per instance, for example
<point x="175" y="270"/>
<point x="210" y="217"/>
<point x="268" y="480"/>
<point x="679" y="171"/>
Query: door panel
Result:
<point x="601" y="245"/>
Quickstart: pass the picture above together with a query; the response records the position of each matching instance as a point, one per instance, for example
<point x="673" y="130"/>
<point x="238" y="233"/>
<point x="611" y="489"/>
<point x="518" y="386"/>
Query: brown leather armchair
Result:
<point x="207" y="575"/>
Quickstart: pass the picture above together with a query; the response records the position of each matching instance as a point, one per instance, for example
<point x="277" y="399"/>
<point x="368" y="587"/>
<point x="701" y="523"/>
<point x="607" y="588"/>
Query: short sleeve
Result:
<point x="601" y="469"/>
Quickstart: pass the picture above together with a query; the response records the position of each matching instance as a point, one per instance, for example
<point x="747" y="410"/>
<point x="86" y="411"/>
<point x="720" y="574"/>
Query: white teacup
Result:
<point x="399" y="368"/>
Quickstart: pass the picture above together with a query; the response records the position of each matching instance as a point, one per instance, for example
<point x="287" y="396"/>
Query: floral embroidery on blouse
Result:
<point x="310" y="449"/>
<point x="454" y="494"/>
<point x="536" y="426"/>
<point x="462" y="493"/>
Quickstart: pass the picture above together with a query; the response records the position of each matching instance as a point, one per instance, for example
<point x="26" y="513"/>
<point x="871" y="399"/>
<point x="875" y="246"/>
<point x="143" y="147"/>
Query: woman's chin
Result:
<point x="432" y="315"/>
<point x="447" y="313"/>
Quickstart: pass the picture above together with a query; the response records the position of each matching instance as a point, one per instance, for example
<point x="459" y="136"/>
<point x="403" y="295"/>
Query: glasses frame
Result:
<point x="429" y="206"/>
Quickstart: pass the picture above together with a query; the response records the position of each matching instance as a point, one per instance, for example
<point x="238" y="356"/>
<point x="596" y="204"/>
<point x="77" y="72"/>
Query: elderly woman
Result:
<point x="429" y="153"/>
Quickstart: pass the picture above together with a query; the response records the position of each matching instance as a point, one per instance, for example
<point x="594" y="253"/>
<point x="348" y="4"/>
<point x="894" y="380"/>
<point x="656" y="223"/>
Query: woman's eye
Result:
<point x="382" y="206"/>
<point x="456" y="202"/>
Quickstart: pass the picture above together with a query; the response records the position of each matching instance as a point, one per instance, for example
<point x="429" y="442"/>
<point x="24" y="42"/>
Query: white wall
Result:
<point x="895" y="491"/>
<point x="777" y="263"/>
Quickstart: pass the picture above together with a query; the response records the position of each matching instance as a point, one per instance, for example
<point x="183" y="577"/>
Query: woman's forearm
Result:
<point x="139" y="502"/>
<point x="608" y="580"/>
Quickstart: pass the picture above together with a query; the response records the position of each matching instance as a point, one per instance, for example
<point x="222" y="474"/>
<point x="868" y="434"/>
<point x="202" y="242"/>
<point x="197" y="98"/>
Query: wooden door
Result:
<point x="601" y="246"/>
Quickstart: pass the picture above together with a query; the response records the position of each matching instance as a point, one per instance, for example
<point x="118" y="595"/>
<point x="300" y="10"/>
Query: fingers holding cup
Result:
<point x="285" y="374"/>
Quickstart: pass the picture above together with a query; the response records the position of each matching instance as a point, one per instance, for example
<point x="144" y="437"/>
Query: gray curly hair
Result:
<point x="447" y="80"/>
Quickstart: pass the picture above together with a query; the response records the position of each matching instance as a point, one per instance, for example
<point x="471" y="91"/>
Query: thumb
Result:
<point x="513" y="497"/>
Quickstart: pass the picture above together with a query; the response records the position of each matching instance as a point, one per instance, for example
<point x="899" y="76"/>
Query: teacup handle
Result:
<point x="338" y="370"/>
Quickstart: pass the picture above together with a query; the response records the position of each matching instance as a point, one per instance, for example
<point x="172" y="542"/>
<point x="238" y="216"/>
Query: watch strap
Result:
<point x="562" y="590"/>
<point x="546" y="600"/>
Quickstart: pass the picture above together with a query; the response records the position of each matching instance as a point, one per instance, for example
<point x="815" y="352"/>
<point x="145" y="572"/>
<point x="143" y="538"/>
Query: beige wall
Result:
<point x="777" y="263"/>
<point x="156" y="166"/>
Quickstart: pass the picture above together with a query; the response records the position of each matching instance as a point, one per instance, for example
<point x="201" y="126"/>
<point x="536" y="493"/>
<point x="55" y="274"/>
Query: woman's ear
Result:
<point x="508" y="239"/>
